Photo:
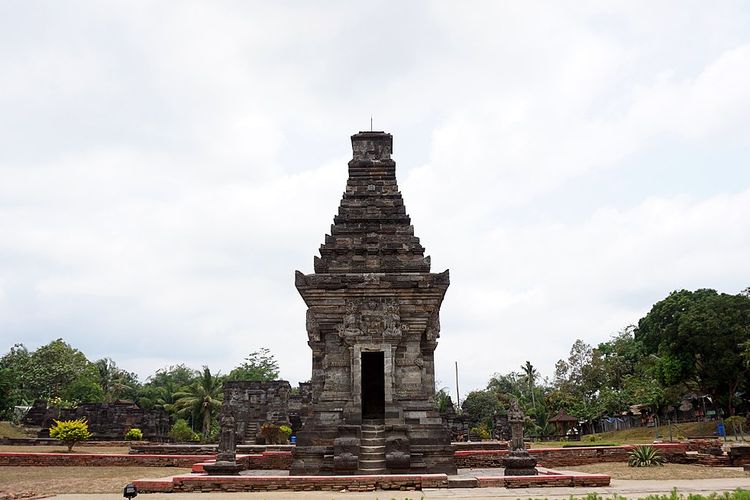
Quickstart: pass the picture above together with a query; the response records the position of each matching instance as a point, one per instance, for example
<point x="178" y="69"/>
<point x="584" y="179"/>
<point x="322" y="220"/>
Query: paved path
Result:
<point x="629" y="489"/>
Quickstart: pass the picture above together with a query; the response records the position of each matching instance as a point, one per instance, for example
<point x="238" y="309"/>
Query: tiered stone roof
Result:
<point x="372" y="232"/>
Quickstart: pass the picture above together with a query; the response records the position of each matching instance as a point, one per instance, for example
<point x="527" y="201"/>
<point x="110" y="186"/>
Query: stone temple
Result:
<point x="373" y="321"/>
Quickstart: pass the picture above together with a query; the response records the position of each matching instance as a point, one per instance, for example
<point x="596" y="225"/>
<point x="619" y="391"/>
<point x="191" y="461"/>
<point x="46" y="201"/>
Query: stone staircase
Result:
<point x="372" y="447"/>
<point x="251" y="430"/>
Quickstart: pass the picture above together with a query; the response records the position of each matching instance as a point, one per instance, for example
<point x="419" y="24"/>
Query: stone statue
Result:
<point x="226" y="460"/>
<point x="518" y="462"/>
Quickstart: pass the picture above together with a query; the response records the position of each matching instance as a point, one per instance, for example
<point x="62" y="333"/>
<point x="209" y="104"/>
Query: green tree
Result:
<point x="53" y="367"/>
<point x="442" y="400"/>
<point x="259" y="365"/>
<point x="695" y="336"/>
<point x="481" y="407"/>
<point x="13" y="388"/>
<point x="115" y="382"/>
<point x="531" y="375"/>
<point x="160" y="388"/>
<point x="201" y="400"/>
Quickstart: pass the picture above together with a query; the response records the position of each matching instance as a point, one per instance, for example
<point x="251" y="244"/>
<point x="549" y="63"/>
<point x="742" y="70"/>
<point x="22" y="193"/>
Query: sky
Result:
<point x="166" y="166"/>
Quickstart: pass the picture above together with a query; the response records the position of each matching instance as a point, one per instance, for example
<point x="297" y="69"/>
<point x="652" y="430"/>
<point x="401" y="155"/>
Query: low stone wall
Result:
<point x="544" y="481"/>
<point x="203" y="449"/>
<point x="702" y="445"/>
<point x="480" y="445"/>
<point x="56" y="442"/>
<point x="564" y="457"/>
<point x="739" y="455"/>
<point x="97" y="460"/>
<point x="269" y="460"/>
<point x="295" y="483"/>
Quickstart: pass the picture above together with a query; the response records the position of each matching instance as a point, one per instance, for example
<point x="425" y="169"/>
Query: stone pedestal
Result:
<point x="223" y="468"/>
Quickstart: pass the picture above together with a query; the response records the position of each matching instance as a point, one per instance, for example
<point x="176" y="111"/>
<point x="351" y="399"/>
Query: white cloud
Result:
<point x="165" y="169"/>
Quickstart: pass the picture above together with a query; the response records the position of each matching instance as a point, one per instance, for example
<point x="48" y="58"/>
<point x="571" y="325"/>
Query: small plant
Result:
<point x="285" y="431"/>
<point x="593" y="438"/>
<point x="645" y="456"/>
<point x="134" y="434"/>
<point x="271" y="433"/>
<point x="182" y="433"/>
<point x="70" y="432"/>
<point x="480" y="431"/>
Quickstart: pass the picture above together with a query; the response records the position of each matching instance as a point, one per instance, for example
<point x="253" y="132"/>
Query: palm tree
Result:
<point x="531" y="375"/>
<point x="201" y="399"/>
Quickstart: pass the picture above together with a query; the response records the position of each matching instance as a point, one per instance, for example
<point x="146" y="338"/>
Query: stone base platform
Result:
<point x="403" y="482"/>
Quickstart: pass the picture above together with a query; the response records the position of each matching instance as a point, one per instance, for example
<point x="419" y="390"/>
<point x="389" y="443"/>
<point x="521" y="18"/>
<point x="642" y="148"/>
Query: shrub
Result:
<point x="182" y="433"/>
<point x="286" y="431"/>
<point x="70" y="432"/>
<point x="593" y="438"/>
<point x="134" y="434"/>
<point x="480" y="431"/>
<point x="271" y="433"/>
<point x="275" y="434"/>
<point x="645" y="456"/>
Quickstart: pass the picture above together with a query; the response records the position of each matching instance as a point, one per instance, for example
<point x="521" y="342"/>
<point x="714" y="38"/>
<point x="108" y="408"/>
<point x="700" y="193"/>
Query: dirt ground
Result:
<point x="668" y="471"/>
<point x="64" y="449"/>
<point x="52" y="480"/>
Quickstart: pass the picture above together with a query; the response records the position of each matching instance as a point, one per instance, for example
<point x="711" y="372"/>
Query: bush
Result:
<point x="182" y="433"/>
<point x="480" y="431"/>
<point x="286" y="431"/>
<point x="70" y="432"/>
<point x="645" y="456"/>
<point x="275" y="434"/>
<point x="134" y="434"/>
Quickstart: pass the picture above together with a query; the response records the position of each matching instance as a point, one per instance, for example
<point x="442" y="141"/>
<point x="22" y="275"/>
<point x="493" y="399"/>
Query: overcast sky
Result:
<point x="166" y="166"/>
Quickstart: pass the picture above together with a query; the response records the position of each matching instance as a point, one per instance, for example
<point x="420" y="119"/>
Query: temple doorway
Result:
<point x="373" y="385"/>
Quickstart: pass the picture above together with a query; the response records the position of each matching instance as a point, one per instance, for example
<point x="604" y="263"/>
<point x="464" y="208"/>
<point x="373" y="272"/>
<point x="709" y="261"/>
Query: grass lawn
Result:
<point x="10" y="430"/>
<point x="640" y="435"/>
<point x="64" y="449"/>
<point x="56" y="480"/>
<point x="620" y="470"/>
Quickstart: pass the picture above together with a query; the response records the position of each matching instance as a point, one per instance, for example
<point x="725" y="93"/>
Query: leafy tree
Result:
<point x="160" y="388"/>
<point x="13" y="387"/>
<point x="259" y="365"/>
<point x="443" y="400"/>
<point x="508" y="385"/>
<point x="695" y="336"/>
<point x="54" y="366"/>
<point x="531" y="374"/>
<point x="481" y="406"/>
<point x="115" y="382"/>
<point x="201" y="400"/>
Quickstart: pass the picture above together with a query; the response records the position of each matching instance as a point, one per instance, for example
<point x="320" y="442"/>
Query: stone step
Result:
<point x="374" y="448"/>
<point x="380" y="453"/>
<point x="372" y="434"/>
<point x="372" y="464"/>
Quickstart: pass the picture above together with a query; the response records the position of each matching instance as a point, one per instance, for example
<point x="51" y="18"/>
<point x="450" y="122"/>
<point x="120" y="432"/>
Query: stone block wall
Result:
<point x="107" y="421"/>
<point x="255" y="403"/>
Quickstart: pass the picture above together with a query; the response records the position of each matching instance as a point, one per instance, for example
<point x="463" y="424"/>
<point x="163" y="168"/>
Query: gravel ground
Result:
<point x="56" y="480"/>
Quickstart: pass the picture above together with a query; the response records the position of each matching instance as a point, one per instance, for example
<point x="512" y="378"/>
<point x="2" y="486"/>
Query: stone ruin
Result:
<point x="373" y="321"/>
<point x="107" y="421"/>
<point x="254" y="403"/>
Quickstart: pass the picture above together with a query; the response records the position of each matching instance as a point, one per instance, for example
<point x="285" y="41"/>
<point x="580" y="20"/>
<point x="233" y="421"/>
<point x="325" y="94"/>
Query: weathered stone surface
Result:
<point x="254" y="403"/>
<point x="373" y="322"/>
<point x="518" y="462"/>
<point x="108" y="421"/>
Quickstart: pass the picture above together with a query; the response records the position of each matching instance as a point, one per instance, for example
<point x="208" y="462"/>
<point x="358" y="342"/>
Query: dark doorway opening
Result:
<point x="373" y="385"/>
